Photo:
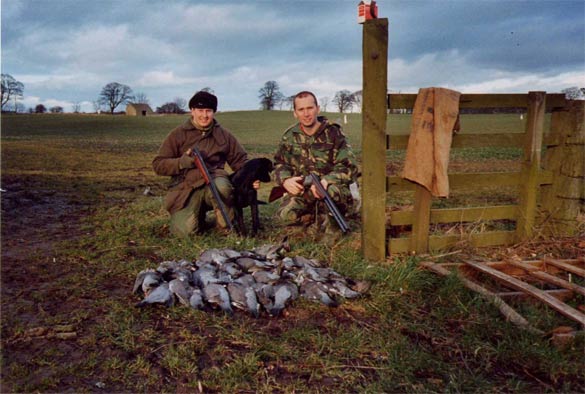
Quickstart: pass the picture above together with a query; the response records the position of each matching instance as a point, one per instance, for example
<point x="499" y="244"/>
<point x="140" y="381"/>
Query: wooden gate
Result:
<point x="376" y="140"/>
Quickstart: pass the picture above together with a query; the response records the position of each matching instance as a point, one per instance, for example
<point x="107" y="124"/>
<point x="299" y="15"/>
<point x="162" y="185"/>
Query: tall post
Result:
<point x="531" y="165"/>
<point x="565" y="157"/>
<point x="374" y="109"/>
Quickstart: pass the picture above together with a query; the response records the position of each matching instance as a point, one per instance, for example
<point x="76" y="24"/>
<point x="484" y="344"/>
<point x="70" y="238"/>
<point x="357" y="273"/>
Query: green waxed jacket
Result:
<point x="217" y="146"/>
<point x="325" y="153"/>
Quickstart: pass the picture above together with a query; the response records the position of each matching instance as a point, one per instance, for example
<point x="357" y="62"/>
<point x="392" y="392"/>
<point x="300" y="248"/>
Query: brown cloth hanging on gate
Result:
<point x="435" y="117"/>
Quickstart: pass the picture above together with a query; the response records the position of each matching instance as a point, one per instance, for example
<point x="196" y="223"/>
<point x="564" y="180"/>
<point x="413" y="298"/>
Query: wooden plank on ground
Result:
<point x="513" y="100"/>
<point x="505" y="267"/>
<point x="541" y="295"/>
<point x="458" y="215"/>
<point x="565" y="266"/>
<point x="559" y="294"/>
<point x="535" y="272"/>
<point x="509" y="312"/>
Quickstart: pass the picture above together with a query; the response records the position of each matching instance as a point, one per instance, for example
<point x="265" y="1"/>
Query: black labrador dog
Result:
<point x="244" y="193"/>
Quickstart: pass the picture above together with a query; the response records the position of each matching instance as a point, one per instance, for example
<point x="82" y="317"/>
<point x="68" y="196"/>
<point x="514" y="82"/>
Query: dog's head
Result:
<point x="264" y="168"/>
<point x="255" y="169"/>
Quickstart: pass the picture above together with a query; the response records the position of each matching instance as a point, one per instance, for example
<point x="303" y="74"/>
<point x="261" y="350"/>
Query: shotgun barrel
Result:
<point x="200" y="163"/>
<point x="330" y="204"/>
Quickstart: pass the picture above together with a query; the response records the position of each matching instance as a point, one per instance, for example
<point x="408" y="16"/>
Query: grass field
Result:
<point x="76" y="228"/>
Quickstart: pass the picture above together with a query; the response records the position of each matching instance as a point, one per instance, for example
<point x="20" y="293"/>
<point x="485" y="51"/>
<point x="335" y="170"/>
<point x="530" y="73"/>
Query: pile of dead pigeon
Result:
<point x="253" y="281"/>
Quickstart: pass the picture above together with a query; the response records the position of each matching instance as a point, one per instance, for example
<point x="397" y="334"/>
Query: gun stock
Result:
<point x="276" y="193"/>
<point x="200" y="163"/>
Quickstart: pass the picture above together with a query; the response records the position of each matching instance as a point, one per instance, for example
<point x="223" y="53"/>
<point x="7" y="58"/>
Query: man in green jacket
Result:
<point x="189" y="198"/>
<point x="313" y="145"/>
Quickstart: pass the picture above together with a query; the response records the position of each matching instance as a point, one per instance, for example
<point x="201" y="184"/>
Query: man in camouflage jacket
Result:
<point x="313" y="145"/>
<point x="188" y="198"/>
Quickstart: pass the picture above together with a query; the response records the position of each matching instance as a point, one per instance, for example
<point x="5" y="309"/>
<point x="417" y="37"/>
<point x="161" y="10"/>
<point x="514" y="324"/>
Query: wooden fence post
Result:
<point x="565" y="157"/>
<point x="374" y="109"/>
<point x="531" y="165"/>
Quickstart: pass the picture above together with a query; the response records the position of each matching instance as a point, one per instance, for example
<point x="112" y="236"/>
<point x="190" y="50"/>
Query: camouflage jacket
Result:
<point x="325" y="153"/>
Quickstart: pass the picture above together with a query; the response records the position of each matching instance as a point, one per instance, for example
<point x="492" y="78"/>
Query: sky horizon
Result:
<point x="65" y="51"/>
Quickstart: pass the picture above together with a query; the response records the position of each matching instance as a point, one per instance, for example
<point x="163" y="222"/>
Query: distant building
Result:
<point x="138" y="110"/>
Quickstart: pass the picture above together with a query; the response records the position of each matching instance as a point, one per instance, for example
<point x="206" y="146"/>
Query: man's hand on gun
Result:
<point x="187" y="160"/>
<point x="296" y="186"/>
<point x="316" y="192"/>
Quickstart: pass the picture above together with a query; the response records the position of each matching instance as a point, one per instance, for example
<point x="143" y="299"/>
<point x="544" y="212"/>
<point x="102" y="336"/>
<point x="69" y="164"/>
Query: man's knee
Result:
<point x="183" y="225"/>
<point x="187" y="220"/>
<point x="224" y="187"/>
<point x="341" y="196"/>
<point x="292" y="210"/>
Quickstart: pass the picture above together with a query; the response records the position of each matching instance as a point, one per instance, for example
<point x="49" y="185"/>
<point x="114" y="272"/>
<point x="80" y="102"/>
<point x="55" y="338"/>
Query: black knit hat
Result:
<point x="203" y="100"/>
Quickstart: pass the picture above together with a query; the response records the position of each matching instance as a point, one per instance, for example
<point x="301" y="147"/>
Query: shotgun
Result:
<point x="279" y="191"/>
<point x="314" y="179"/>
<point x="200" y="163"/>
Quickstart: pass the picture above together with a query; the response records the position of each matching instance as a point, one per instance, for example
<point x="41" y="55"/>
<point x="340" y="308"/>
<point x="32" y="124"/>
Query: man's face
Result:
<point x="202" y="116"/>
<point x="306" y="111"/>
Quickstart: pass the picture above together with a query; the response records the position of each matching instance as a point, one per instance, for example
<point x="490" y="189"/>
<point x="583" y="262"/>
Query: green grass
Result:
<point x="413" y="332"/>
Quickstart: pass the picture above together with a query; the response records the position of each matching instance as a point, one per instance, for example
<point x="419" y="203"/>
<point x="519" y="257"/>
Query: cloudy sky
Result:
<point x="65" y="51"/>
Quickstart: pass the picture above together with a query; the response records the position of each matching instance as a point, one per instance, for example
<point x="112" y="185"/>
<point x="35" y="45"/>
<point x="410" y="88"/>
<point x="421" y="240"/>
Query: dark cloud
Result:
<point x="68" y="49"/>
<point x="507" y="35"/>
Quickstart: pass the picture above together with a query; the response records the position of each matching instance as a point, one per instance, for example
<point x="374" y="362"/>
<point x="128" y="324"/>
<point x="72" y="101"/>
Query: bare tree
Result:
<point x="114" y="94"/>
<point x="97" y="106"/>
<point x="574" y="93"/>
<point x="170" y="108"/>
<point x="40" y="109"/>
<point x="181" y="104"/>
<point x="323" y="103"/>
<point x="19" y="108"/>
<point x="140" y="98"/>
<point x="289" y="101"/>
<point x="270" y="95"/>
<point x="11" y="89"/>
<point x="343" y="100"/>
<point x="76" y="107"/>
<point x="357" y="100"/>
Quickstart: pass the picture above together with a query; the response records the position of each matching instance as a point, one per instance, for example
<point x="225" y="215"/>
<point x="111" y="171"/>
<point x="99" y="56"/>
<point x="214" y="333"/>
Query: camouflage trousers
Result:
<point x="295" y="209"/>
<point x="192" y="217"/>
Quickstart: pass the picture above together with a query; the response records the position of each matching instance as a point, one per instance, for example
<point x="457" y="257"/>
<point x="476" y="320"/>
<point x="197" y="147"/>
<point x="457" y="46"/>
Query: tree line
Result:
<point x="115" y="94"/>
<point x="271" y="97"/>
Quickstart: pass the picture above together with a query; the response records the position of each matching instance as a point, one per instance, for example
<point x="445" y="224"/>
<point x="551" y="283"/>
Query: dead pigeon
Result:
<point x="316" y="291"/>
<point x="340" y="288"/>
<point x="181" y="290"/>
<point x="213" y="256"/>
<point x="271" y="252"/>
<point x="159" y="295"/>
<point x="196" y="299"/>
<point x="265" y="295"/>
<point x="284" y="294"/>
<point x="152" y="281"/>
<point x="244" y="298"/>
<point x="217" y="295"/>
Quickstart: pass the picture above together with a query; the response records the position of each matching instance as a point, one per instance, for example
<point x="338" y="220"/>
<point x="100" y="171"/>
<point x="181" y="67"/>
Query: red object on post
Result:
<point x="367" y="10"/>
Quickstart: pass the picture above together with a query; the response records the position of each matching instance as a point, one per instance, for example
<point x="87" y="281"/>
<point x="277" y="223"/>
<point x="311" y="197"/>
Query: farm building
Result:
<point x="138" y="110"/>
